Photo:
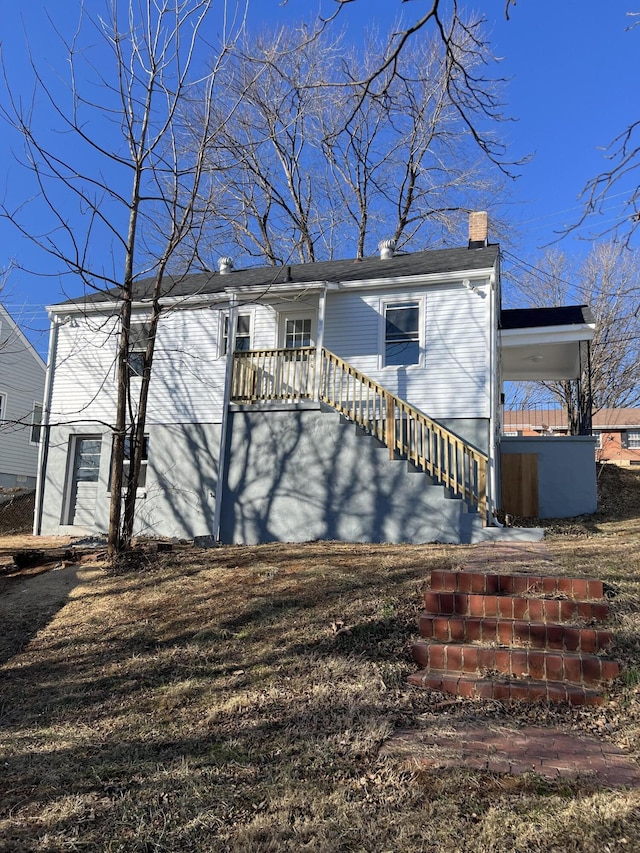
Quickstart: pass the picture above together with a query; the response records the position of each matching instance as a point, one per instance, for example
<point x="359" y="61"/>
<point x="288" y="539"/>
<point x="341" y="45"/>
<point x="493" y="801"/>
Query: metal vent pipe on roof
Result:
<point x="386" y="249"/>
<point x="225" y="265"/>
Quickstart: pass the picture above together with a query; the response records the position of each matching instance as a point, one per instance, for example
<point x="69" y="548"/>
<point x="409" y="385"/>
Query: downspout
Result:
<point x="494" y="392"/>
<point x="43" y="450"/>
<point x="222" y="454"/>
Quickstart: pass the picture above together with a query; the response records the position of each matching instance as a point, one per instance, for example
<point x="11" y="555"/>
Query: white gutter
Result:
<point x="43" y="449"/>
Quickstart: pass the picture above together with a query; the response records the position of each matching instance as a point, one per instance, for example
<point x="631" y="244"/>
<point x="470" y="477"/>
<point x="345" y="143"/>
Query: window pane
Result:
<point x="298" y="333"/>
<point x="36" y="420"/>
<point x="402" y="352"/>
<point x="402" y="321"/>
<point x="88" y="460"/>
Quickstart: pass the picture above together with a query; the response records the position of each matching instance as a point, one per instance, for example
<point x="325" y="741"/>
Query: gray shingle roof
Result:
<point x="531" y="318"/>
<point x="416" y="263"/>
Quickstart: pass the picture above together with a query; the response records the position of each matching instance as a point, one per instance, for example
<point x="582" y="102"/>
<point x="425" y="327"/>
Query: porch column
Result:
<point x="322" y="302"/>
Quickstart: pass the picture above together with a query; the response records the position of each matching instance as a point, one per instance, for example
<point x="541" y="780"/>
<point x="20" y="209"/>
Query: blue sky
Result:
<point x="572" y="70"/>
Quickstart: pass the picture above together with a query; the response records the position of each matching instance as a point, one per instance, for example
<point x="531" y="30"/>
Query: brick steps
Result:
<point x="505" y="689"/>
<point x="513" y="632"/>
<point x="514" y="636"/>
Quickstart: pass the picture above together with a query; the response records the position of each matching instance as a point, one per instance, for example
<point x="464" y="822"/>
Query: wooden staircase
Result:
<point x="514" y="637"/>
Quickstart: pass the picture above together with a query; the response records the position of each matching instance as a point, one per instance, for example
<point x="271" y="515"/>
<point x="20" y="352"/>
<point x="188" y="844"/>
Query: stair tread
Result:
<point x="506" y="647"/>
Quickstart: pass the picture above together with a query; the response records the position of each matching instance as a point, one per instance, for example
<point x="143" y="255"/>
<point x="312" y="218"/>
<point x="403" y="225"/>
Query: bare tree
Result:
<point x="308" y="162"/>
<point x="606" y="281"/>
<point x="137" y="189"/>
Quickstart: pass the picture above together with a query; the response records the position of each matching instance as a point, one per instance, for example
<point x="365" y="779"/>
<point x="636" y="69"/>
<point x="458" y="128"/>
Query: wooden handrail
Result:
<point x="290" y="374"/>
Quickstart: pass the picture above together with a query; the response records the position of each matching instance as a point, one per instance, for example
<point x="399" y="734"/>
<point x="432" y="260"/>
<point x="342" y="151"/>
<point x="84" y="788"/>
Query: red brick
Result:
<point x="567" y="610"/>
<point x="592" y="698"/>
<point x="505" y="633"/>
<point x="441" y="628"/>
<point x="571" y="639"/>
<point x="588" y="640"/>
<point x="492" y="584"/>
<point x="521" y="584"/>
<point x="466" y="687"/>
<point x="554" y="667"/>
<point x="484" y="689"/>
<point x="523" y="632"/>
<point x="420" y="652"/>
<point x="536" y="610"/>
<point x="591" y="671"/>
<point x="490" y="605"/>
<point x="476" y="605"/>
<point x="610" y="669"/>
<point x="489" y="630"/>
<point x="585" y="610"/>
<point x="436" y="656"/>
<point x="549" y="585"/>
<point x="473" y="629"/>
<point x="486" y="658"/>
<point x="565" y="585"/>
<point x="457" y="628"/>
<point x="453" y="657"/>
<point x="556" y="692"/>
<point x="573" y="669"/>
<point x="446" y="602"/>
<point x="580" y="588"/>
<point x="595" y="589"/>
<point x="603" y="639"/>
<point x="600" y="611"/>
<point x="505" y="584"/>
<point x="503" y="661"/>
<point x="537" y="692"/>
<point x="551" y="610"/>
<point x="520" y="608"/>
<point x="519" y="692"/>
<point x="519" y="662"/>
<point x="461" y="603"/>
<point x="438" y="579"/>
<point x="449" y="683"/>
<point x="501" y="691"/>
<point x="555" y="636"/>
<point x="470" y="657"/>
<point x="425" y="625"/>
<point x="505" y="607"/>
<point x="478" y="582"/>
<point x="536" y="664"/>
<point x="464" y="581"/>
<point x="432" y="602"/>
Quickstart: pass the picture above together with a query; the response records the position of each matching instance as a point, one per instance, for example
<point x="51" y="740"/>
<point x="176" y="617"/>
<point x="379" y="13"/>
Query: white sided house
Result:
<point x="348" y="400"/>
<point x="22" y="378"/>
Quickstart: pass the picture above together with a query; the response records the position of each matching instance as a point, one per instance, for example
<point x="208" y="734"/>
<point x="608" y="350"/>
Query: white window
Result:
<point x="138" y="337"/>
<point x="142" y="479"/>
<point x="633" y="440"/>
<point x="598" y="437"/>
<point x="402" y="333"/>
<point x="243" y="333"/>
<point x="36" y="421"/>
<point x="297" y="332"/>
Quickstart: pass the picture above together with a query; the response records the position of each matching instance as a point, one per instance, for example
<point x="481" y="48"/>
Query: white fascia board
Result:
<point x="547" y="335"/>
<point x="486" y="275"/>
<point x="200" y="299"/>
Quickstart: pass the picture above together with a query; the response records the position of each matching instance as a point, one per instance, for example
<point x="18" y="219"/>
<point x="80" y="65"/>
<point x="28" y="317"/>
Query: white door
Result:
<point x="83" y="491"/>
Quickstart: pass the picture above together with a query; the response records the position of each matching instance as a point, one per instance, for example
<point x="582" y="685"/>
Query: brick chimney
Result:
<point x="478" y="229"/>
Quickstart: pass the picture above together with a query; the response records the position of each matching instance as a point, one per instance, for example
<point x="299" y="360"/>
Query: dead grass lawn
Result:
<point x="236" y="699"/>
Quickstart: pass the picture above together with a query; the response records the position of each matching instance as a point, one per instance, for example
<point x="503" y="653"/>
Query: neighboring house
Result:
<point x="22" y="378"/>
<point x="616" y="431"/>
<point x="284" y="400"/>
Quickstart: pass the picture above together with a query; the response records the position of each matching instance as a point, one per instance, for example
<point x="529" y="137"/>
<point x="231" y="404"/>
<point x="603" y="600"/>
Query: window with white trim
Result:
<point x="633" y="440"/>
<point x="402" y="333"/>
<point x="142" y="478"/>
<point x="36" y="421"/>
<point x="243" y="333"/>
<point x="297" y="332"/>
<point x="138" y="337"/>
<point x="598" y="437"/>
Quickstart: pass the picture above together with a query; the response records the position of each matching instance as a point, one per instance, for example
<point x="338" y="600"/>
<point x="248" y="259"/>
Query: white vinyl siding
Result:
<point x="452" y="380"/>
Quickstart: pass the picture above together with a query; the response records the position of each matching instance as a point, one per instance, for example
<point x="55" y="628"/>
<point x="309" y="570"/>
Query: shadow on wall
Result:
<point x="304" y="475"/>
